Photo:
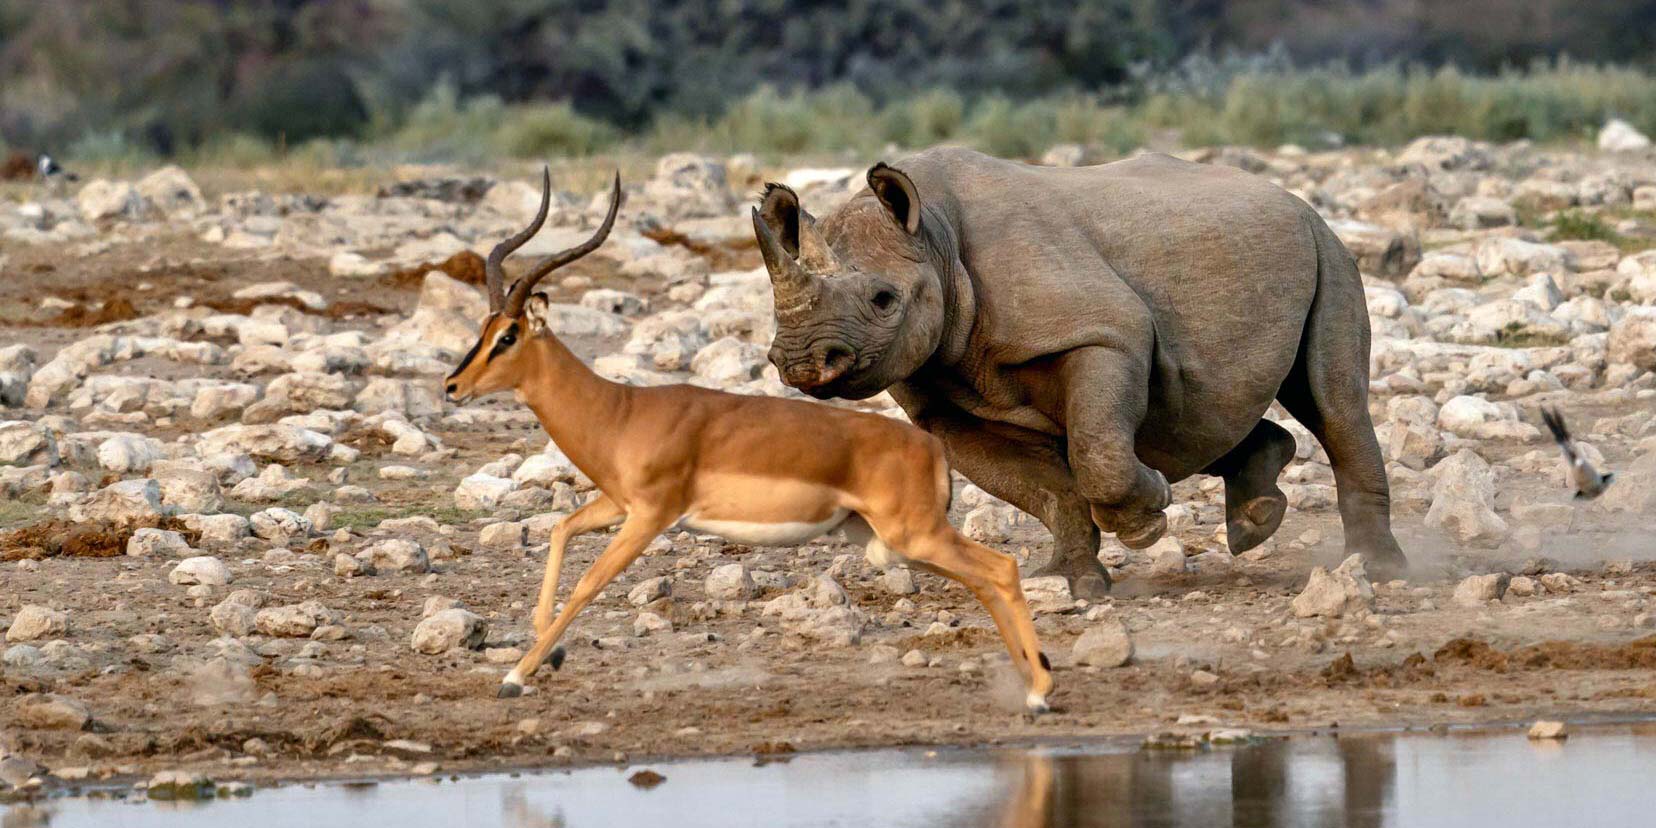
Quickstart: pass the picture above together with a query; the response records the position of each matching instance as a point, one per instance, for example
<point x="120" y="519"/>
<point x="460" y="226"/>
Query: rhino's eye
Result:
<point x="884" y="300"/>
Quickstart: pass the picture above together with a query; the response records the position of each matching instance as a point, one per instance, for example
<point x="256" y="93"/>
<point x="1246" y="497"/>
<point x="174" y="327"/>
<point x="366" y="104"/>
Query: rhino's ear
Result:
<point x="779" y="210"/>
<point x="896" y="191"/>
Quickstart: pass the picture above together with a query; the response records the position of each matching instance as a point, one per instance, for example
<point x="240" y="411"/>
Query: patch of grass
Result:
<point x="1584" y="226"/>
<point x="363" y="518"/>
<point x="16" y="511"/>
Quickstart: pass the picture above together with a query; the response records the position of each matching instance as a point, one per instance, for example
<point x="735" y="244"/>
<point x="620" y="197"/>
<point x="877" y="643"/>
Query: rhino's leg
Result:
<point x="1106" y="394"/>
<point x="1327" y="391"/>
<point x="1254" y="506"/>
<point x="1027" y="470"/>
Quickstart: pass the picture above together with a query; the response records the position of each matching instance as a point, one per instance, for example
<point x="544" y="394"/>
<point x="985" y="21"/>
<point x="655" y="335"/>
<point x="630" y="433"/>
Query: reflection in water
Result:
<point x="1323" y="782"/>
<point x="1601" y="776"/>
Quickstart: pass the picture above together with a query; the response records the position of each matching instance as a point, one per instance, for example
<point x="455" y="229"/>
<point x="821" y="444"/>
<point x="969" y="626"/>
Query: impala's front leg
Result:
<point x="598" y="513"/>
<point x="1106" y="394"/>
<point x="639" y="528"/>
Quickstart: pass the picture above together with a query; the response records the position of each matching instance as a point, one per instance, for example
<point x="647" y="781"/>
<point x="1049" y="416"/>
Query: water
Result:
<point x="1602" y="776"/>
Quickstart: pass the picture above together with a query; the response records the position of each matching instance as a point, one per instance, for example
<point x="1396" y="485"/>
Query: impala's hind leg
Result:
<point x="993" y="580"/>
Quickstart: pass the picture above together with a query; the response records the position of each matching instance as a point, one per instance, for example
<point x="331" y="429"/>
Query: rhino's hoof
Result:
<point x="1145" y="534"/>
<point x="1087" y="577"/>
<point x="1257" y="521"/>
<point x="509" y="691"/>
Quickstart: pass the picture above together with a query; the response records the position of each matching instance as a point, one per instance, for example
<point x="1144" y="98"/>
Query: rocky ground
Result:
<point x="243" y="536"/>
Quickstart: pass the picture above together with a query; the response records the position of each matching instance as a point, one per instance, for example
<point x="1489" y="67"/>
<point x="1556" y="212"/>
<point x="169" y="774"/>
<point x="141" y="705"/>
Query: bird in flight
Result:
<point x="1588" y="482"/>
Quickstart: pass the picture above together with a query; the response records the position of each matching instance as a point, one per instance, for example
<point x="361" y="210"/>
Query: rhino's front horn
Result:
<point x="793" y="285"/>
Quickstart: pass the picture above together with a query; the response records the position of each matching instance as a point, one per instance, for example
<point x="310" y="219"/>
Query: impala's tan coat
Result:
<point x="754" y="469"/>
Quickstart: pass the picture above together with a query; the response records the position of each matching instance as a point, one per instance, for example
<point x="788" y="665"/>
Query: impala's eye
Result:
<point x="507" y="341"/>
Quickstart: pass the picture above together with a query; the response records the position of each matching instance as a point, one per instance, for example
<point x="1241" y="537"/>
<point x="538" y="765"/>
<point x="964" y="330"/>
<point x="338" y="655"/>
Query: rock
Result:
<point x="840" y="626"/>
<point x="406" y="397"/>
<point x="446" y="630"/>
<point x="24" y="443"/>
<point x="48" y="711"/>
<point x="169" y="785"/>
<point x="295" y="620"/>
<point x="125" y="503"/>
<point x="270" y="443"/>
<point x="899" y="580"/>
<point x="201" y="569"/>
<point x="1335" y="594"/>
<point x="347" y="566"/>
<point x="1380" y="251"/>
<point x="728" y="361"/>
<point x="1463" y="500"/>
<point x="129" y="453"/>
<point x="915" y="658"/>
<point x="1477" y="590"/>
<point x="1545" y="729"/>
<point x="648" y="622"/>
<point x="730" y="582"/>
<point x="162" y="543"/>
<point x="687" y="185"/>
<point x="222" y="681"/>
<point x="482" y="492"/>
<point x="1048" y="594"/>
<point x="1479" y="212"/>
<point x="1507" y="256"/>
<point x="103" y="199"/>
<point x="1105" y="644"/>
<point x="171" y="191"/>
<point x="1445" y="153"/>
<point x="398" y="555"/>
<point x="1632" y="340"/>
<point x="220" y="530"/>
<point x="546" y="469"/>
<point x="234" y="617"/>
<point x="1167" y="557"/>
<point x="278" y="525"/>
<point x="1480" y="419"/>
<point x="35" y="622"/>
<point x="1621" y="136"/>
<point x="505" y="536"/>
<point x="613" y="301"/>
<point x="186" y="487"/>
<point x="649" y="590"/>
<point x="988" y="523"/>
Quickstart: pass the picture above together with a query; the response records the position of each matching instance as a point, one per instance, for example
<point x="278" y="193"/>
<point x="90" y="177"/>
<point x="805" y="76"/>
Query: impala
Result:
<point x="754" y="470"/>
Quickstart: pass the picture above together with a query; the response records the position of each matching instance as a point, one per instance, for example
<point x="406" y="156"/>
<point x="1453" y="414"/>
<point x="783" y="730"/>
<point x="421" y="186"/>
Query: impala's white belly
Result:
<point x="791" y="533"/>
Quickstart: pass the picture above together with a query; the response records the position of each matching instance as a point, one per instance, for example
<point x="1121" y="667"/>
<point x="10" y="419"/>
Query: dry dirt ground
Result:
<point x="1218" y="642"/>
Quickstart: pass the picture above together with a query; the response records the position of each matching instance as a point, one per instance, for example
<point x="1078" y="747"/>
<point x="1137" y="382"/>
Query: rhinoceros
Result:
<point x="1079" y="337"/>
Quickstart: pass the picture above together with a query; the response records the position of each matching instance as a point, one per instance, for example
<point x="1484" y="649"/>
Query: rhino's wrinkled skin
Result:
<point x="1080" y="336"/>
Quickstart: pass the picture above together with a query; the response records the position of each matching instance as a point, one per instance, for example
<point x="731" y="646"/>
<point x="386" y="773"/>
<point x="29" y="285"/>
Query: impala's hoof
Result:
<point x="509" y="690"/>
<point x="1035" y="704"/>
<point x="556" y="658"/>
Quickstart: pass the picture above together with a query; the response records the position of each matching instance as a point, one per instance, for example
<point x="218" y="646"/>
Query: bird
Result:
<point x="52" y="171"/>
<point x="1588" y="482"/>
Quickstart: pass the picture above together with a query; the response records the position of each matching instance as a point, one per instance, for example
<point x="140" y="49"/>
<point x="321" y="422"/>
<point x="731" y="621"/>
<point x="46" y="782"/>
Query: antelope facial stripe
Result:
<point x="506" y="339"/>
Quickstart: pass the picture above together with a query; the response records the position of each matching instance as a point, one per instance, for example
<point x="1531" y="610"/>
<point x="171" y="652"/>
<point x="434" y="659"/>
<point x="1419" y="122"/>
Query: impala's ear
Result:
<point x="534" y="313"/>
<point x="897" y="192"/>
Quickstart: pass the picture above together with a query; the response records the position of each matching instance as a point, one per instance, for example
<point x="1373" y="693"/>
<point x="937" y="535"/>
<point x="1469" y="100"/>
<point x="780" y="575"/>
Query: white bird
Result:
<point x="1587" y="481"/>
<point x="52" y="171"/>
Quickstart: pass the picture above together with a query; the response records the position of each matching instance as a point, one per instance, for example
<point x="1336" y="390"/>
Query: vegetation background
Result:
<point x="241" y="80"/>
